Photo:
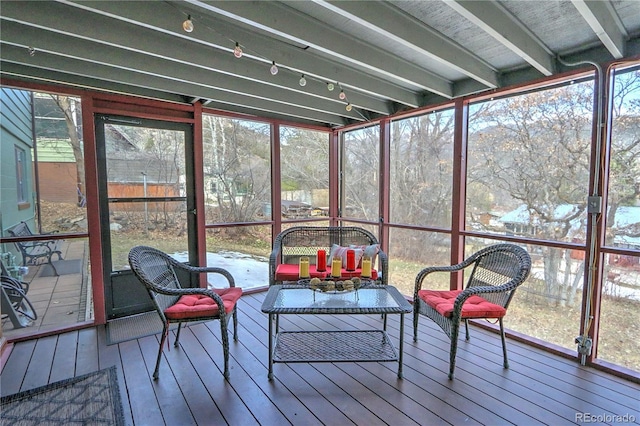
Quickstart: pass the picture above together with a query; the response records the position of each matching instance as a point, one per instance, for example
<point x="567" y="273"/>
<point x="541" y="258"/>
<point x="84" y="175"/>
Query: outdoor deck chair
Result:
<point x="177" y="304"/>
<point x="14" y="300"/>
<point x="38" y="252"/>
<point x="494" y="273"/>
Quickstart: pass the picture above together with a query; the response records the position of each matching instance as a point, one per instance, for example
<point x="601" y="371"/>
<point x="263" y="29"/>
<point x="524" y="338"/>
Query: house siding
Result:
<point x="16" y="129"/>
<point x="57" y="171"/>
<point x="58" y="182"/>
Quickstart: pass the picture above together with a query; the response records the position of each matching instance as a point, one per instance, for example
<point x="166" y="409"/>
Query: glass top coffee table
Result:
<point x="333" y="345"/>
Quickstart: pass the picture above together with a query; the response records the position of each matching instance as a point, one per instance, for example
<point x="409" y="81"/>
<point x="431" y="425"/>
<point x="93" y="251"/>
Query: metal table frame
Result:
<point x="334" y="345"/>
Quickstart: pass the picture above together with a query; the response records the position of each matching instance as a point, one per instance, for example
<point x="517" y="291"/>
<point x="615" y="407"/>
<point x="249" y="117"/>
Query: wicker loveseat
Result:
<point x="305" y="241"/>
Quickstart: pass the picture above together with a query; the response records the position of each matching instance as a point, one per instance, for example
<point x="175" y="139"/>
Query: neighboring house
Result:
<point x="521" y="222"/>
<point x="17" y="195"/>
<point x="624" y="232"/>
<point x="627" y="225"/>
<point x="627" y="235"/>
<point x="56" y="168"/>
<point x="131" y="173"/>
<point x="52" y="162"/>
<point x="138" y="175"/>
<point x="134" y="173"/>
<point x="57" y="171"/>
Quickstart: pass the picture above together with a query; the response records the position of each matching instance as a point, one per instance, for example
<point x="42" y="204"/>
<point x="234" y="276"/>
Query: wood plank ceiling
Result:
<point x="387" y="56"/>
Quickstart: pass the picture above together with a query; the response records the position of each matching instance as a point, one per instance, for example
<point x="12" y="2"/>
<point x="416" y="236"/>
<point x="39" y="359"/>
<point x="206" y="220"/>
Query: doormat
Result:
<point x="134" y="327"/>
<point x="91" y="399"/>
<point x="62" y="267"/>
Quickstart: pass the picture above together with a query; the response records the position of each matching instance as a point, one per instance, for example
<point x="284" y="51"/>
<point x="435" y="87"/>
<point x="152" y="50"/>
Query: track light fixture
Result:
<point x="342" y="95"/>
<point x="349" y="107"/>
<point x="187" y="25"/>
<point x="330" y="86"/>
<point x="303" y="81"/>
<point x="32" y="51"/>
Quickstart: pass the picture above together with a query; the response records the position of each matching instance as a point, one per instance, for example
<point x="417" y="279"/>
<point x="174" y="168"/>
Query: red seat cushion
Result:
<point x="200" y="305"/>
<point x="290" y="272"/>
<point x="474" y="306"/>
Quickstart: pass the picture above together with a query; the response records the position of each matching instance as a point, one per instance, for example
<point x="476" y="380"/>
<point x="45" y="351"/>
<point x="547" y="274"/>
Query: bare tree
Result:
<point x="624" y="174"/>
<point x="361" y="171"/>
<point x="304" y="156"/>
<point x="69" y="107"/>
<point x="533" y="150"/>
<point x="237" y="164"/>
<point x="421" y="178"/>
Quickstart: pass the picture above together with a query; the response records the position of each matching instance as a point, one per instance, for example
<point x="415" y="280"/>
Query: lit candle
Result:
<point x="336" y="267"/>
<point x="321" y="261"/>
<point x="304" y="267"/>
<point x="366" y="267"/>
<point x="351" y="260"/>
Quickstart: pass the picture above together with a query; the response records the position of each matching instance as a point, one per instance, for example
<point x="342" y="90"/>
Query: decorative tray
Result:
<point x="336" y="286"/>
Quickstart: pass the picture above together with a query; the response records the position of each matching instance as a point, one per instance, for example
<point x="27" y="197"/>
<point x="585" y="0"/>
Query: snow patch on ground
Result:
<point x="248" y="271"/>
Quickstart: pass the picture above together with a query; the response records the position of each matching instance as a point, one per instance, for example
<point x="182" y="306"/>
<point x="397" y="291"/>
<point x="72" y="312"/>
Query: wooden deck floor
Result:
<point x="539" y="388"/>
<point x="62" y="300"/>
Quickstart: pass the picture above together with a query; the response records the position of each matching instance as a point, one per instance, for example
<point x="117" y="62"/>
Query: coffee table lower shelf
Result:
<point x="334" y="346"/>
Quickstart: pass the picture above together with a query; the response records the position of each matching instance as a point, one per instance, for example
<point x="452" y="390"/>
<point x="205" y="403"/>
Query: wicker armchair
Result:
<point x="295" y="242"/>
<point x="494" y="274"/>
<point x="14" y="301"/>
<point x="175" y="304"/>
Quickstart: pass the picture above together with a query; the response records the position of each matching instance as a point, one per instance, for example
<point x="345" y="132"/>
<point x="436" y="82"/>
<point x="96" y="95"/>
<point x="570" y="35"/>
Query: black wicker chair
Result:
<point x="494" y="273"/>
<point x="14" y="301"/>
<point x="175" y="304"/>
